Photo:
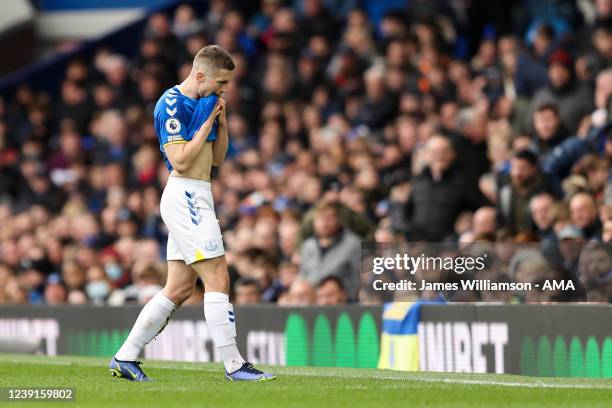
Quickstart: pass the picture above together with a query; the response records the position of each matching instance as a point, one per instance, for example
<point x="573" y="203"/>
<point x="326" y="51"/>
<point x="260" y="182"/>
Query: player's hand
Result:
<point x="208" y="124"/>
<point x="215" y="113"/>
<point x="222" y="118"/>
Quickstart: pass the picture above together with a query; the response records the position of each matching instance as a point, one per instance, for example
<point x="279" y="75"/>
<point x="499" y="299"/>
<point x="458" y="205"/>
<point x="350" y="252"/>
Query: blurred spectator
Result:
<point x="317" y="20"/>
<point x="584" y="216"/>
<point x="331" y="252"/>
<point x="548" y="129"/>
<point x="607" y="232"/>
<point x="287" y="273"/>
<point x="377" y="108"/>
<point x="146" y="280"/>
<point x="439" y="194"/>
<point x="541" y="210"/>
<point x="330" y="291"/>
<point x="596" y="271"/>
<point x="594" y="170"/>
<point x="185" y="22"/>
<point x="573" y="98"/>
<point x="248" y="291"/>
<point x="55" y="293"/>
<point x="77" y="297"/>
<point x="483" y="222"/>
<point x="524" y="182"/>
<point x="571" y="240"/>
<point x="260" y="22"/>
<point x="98" y="288"/>
<point x="301" y="293"/>
<point x="6" y="276"/>
<point x="73" y="276"/>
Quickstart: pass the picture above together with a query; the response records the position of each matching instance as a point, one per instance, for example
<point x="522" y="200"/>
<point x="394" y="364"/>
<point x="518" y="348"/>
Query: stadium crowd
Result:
<point x="413" y="128"/>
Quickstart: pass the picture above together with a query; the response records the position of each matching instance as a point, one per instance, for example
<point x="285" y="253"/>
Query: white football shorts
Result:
<point x="189" y="214"/>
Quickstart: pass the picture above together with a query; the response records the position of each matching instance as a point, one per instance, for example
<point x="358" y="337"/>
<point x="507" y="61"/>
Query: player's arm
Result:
<point x="183" y="155"/>
<point x="220" y="145"/>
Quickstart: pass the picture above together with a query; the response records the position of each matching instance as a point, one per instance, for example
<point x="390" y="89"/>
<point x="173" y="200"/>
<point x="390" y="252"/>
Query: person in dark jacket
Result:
<point x="439" y="194"/>
<point x="584" y="215"/>
<point x="548" y="128"/>
<point x="574" y="100"/>
<point x="524" y="182"/>
<point x="378" y="107"/>
<point x="558" y="162"/>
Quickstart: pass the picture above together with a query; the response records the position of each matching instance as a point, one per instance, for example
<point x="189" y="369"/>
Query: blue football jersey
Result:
<point x="178" y="117"/>
<point x="202" y="111"/>
<point x="171" y="117"/>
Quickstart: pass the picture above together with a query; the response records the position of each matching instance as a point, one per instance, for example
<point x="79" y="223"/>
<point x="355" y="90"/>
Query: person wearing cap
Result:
<point x="571" y="239"/>
<point x="574" y="100"/>
<point x="570" y="232"/>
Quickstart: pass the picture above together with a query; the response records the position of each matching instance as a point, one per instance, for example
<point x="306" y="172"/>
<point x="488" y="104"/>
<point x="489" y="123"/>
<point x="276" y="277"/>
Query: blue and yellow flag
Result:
<point x="399" y="342"/>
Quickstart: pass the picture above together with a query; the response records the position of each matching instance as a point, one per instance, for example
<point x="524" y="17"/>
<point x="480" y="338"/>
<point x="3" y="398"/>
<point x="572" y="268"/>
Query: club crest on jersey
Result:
<point x="173" y="125"/>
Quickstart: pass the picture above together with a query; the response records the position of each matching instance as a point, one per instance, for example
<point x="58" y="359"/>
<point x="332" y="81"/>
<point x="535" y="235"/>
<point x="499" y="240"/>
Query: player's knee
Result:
<point x="217" y="278"/>
<point x="179" y="295"/>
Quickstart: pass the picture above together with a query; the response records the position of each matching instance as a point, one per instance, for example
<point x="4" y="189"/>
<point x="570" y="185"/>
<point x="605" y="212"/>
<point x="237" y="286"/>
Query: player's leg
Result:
<point x="218" y="311"/>
<point x="188" y="211"/>
<point x="219" y="314"/>
<point x="154" y="317"/>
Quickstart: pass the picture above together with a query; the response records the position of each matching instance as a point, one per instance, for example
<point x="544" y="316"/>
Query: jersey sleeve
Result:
<point x="201" y="113"/>
<point x="170" y="128"/>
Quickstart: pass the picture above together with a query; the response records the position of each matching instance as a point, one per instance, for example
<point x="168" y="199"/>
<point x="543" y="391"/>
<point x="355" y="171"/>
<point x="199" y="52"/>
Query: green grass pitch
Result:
<point x="202" y="385"/>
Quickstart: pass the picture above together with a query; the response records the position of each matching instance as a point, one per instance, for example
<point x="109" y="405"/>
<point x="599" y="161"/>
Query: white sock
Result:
<point x="219" y="314"/>
<point x="152" y="319"/>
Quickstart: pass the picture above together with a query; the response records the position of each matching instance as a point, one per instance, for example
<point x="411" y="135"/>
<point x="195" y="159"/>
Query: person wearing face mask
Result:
<point x="98" y="288"/>
<point x="113" y="271"/>
<point x="147" y="282"/>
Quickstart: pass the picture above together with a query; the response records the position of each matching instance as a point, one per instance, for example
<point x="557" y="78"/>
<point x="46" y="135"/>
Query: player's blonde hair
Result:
<point x="213" y="57"/>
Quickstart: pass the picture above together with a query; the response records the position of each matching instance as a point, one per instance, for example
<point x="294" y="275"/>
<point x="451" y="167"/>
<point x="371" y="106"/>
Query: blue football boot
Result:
<point x="130" y="370"/>
<point x="249" y="373"/>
